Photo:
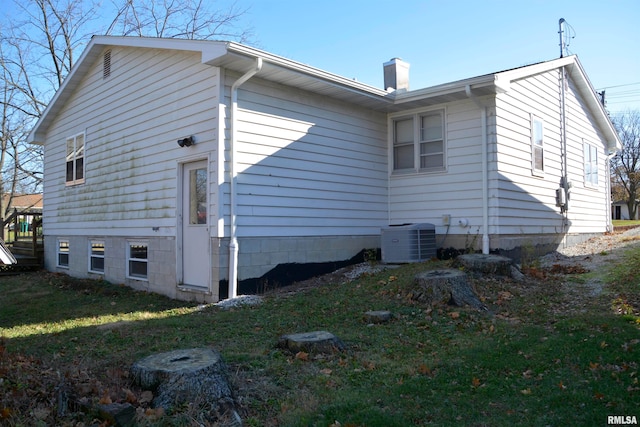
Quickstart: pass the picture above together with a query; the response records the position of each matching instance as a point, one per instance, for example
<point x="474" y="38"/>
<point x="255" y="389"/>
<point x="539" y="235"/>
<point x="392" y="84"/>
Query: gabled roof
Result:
<point x="22" y="201"/>
<point x="241" y="58"/>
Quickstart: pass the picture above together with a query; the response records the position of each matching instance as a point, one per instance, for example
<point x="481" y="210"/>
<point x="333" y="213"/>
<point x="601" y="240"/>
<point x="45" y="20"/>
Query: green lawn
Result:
<point x="542" y="357"/>
<point x="625" y="223"/>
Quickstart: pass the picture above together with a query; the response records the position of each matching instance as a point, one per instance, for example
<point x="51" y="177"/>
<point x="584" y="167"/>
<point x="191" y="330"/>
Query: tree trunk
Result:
<point x="447" y="286"/>
<point x="311" y="342"/>
<point x="197" y="376"/>
<point x="485" y="264"/>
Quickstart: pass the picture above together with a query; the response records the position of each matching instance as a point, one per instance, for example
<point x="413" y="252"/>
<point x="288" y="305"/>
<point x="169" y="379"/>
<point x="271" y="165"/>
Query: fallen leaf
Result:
<point x="526" y="391"/>
<point x="475" y="382"/>
<point x="424" y="369"/>
<point x="129" y="396"/>
<point x="370" y="366"/>
<point x="598" y="396"/>
<point x="561" y="386"/>
<point x="105" y="399"/>
<point x="301" y="355"/>
<point x="146" y="397"/>
<point x="5" y="413"/>
<point x="326" y="371"/>
<point x="454" y="314"/>
<point x="593" y="366"/>
<point x="154" y="413"/>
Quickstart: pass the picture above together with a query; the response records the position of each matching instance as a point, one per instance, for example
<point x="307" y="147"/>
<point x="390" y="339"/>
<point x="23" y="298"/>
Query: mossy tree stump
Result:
<point x="446" y="286"/>
<point x="197" y="376"/>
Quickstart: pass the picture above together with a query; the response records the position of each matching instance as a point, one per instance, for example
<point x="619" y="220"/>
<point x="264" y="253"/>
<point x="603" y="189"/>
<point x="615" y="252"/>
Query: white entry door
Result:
<point x="196" y="260"/>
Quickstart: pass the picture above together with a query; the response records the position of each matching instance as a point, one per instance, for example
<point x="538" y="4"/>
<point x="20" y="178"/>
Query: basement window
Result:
<point x="137" y="257"/>
<point x="63" y="253"/>
<point x="96" y="256"/>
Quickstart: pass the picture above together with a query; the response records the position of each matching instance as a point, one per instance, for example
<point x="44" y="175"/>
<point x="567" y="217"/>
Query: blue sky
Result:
<point x="447" y="40"/>
<point x="451" y="40"/>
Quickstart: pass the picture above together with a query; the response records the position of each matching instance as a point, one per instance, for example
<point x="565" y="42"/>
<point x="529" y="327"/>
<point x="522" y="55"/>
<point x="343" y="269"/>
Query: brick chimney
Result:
<point x="396" y="75"/>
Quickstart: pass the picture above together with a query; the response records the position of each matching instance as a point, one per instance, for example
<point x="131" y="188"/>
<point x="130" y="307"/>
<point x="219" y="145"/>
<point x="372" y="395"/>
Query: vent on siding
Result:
<point x="408" y="243"/>
<point x="106" y="65"/>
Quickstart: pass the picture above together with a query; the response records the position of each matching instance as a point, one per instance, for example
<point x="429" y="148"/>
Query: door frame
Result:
<point x="180" y="199"/>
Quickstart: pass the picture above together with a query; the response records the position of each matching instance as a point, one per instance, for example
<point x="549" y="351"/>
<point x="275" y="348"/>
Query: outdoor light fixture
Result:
<point x="187" y="142"/>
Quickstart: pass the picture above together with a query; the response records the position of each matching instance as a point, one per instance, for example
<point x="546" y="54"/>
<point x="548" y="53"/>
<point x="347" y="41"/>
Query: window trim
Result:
<point x="59" y="246"/>
<point x="93" y="256"/>
<point x="535" y="170"/>
<point x="593" y="149"/>
<point x="129" y="259"/>
<point x="74" y="160"/>
<point x="417" y="120"/>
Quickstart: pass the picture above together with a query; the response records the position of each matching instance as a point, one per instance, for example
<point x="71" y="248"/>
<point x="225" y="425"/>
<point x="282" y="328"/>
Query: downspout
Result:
<point x="610" y="154"/>
<point x="485" y="170"/>
<point x="233" y="239"/>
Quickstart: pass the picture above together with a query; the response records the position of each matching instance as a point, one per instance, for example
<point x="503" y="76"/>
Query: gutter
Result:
<point x="233" y="240"/>
<point x="485" y="170"/>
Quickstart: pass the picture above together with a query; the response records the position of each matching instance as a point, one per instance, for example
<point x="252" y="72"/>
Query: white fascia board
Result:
<point x="304" y="69"/>
<point x="445" y="89"/>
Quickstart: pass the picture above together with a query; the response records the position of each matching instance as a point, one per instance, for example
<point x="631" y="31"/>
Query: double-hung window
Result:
<point x="63" y="253"/>
<point x="590" y="165"/>
<point x="537" y="146"/>
<point x="96" y="256"/>
<point x="137" y="257"/>
<point x="419" y="142"/>
<point x="75" y="160"/>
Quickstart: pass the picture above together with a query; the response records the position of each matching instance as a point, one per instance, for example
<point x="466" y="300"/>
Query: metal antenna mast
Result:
<point x="565" y="34"/>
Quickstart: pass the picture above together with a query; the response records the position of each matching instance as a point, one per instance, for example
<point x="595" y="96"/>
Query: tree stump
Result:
<point x="197" y="376"/>
<point x="485" y="264"/>
<point x="380" y="316"/>
<point x="446" y="286"/>
<point x="311" y="342"/>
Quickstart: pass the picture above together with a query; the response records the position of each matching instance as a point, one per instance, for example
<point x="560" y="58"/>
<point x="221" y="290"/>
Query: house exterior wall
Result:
<point x="524" y="205"/>
<point x="312" y="178"/>
<point x="131" y="121"/>
<point x="456" y="191"/>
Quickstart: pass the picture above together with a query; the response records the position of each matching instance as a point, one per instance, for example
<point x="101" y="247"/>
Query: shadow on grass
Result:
<point x="45" y="298"/>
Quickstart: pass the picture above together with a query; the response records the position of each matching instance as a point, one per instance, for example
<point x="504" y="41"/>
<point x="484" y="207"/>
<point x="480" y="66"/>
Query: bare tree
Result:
<point x="625" y="166"/>
<point x="39" y="41"/>
<point x="187" y="19"/>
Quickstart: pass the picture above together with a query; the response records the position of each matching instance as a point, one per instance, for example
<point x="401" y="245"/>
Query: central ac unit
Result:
<point x="408" y="243"/>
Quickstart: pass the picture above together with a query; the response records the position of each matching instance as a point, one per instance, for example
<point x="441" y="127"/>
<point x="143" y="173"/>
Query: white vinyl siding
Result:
<point x="590" y="165"/>
<point x="523" y="203"/>
<point x="308" y="165"/>
<point x="456" y="191"/>
<point x="132" y="120"/>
